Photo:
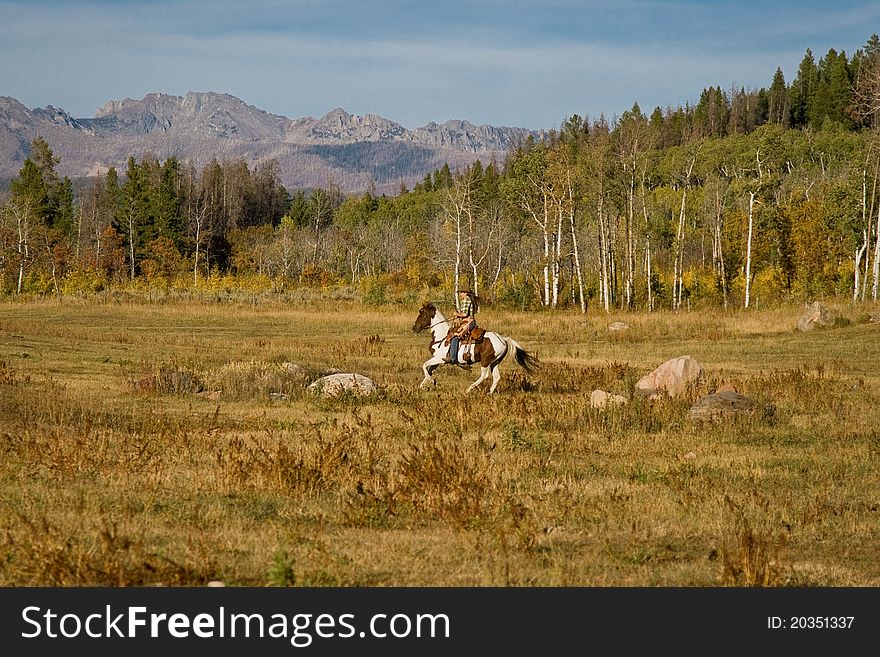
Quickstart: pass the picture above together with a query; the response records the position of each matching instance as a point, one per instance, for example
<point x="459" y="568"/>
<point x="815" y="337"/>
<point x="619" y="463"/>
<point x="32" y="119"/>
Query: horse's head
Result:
<point x="426" y="315"/>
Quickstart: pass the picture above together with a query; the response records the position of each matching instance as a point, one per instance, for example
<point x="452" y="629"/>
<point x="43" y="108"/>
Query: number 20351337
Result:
<point x="810" y="622"/>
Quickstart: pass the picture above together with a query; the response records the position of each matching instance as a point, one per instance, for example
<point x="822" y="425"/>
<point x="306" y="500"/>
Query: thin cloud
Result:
<point x="504" y="63"/>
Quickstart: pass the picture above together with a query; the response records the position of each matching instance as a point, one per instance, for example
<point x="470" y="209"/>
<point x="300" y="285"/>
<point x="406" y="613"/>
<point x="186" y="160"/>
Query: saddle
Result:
<point x="475" y="336"/>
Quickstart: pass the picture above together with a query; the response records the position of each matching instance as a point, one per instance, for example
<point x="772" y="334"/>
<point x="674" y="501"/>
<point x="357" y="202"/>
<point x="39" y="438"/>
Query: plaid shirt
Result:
<point x="467" y="307"/>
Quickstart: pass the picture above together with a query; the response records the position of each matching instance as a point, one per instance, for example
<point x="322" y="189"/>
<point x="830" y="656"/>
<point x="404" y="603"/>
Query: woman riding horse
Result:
<point x="487" y="353"/>
<point x="467" y="322"/>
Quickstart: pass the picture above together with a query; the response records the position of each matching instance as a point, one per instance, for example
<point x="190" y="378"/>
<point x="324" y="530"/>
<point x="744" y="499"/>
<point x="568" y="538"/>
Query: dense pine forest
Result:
<point x="749" y="197"/>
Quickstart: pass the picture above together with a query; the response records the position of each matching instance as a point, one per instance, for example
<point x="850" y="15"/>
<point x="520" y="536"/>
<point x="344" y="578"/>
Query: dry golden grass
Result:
<point x="173" y="443"/>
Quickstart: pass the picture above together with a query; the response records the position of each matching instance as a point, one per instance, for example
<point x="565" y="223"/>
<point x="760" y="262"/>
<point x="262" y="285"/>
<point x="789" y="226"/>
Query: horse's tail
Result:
<point x="523" y="358"/>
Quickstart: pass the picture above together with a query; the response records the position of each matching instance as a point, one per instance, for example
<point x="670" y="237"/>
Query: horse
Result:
<point x="488" y="351"/>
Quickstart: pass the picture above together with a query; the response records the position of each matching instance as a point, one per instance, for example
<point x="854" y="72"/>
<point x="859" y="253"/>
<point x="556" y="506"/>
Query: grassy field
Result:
<point x="165" y="442"/>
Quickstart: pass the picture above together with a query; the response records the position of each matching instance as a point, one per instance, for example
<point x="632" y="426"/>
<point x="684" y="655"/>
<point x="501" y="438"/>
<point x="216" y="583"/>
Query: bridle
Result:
<point x="437" y="323"/>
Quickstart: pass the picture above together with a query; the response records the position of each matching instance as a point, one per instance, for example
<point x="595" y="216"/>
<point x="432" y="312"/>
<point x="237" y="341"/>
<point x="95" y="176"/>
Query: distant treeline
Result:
<point x="748" y="197"/>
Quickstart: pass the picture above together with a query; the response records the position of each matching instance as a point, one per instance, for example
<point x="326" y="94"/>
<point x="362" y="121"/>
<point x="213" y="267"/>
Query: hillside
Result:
<point x="353" y="152"/>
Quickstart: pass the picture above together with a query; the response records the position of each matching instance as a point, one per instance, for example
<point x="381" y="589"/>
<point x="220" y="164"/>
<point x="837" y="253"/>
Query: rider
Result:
<point x="466" y="322"/>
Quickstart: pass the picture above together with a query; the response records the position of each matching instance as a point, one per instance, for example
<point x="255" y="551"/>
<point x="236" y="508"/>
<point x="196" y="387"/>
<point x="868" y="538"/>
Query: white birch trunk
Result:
<point x="603" y="256"/>
<point x="678" y="273"/>
<point x="749" y="250"/>
<point x="650" y="286"/>
<point x="678" y="269"/>
<point x="557" y="256"/>
<point x="23" y="229"/>
<point x="874" y="286"/>
<point x="196" y="258"/>
<point x="718" y="247"/>
<point x="858" y="267"/>
<point x="630" y="252"/>
<point x="131" y="240"/>
<point x="577" y="257"/>
<point x="456" y="275"/>
<point x="547" y="247"/>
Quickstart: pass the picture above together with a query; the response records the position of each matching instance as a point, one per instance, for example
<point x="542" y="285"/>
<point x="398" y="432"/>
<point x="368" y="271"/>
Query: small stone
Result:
<point x="618" y="326"/>
<point x="690" y="456"/>
<point x="601" y="399"/>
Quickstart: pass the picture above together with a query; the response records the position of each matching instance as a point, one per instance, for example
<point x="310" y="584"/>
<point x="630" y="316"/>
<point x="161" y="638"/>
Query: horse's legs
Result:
<point x="428" y="368"/>
<point x="496" y="376"/>
<point x="484" y="373"/>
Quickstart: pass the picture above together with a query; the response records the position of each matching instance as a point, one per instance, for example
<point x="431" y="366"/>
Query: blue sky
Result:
<point x="514" y="63"/>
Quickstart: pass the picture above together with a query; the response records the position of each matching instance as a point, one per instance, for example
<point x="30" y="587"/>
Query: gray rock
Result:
<point x="815" y="316"/>
<point x="334" y="385"/>
<point x="618" y="326"/>
<point x="673" y="377"/>
<point x="720" y="405"/>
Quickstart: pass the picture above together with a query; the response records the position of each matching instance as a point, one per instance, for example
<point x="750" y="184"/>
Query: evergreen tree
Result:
<point x="777" y="97"/>
<point x="133" y="220"/>
<point x="299" y="209"/>
<point x="762" y="108"/>
<point x="167" y="204"/>
<point x="30" y="186"/>
<point x="110" y="199"/>
<point x="63" y="219"/>
<point x="802" y="89"/>
<point x="833" y="95"/>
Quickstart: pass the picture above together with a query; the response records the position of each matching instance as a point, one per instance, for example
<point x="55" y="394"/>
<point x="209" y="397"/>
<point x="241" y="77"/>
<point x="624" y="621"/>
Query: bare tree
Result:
<point x="198" y="216"/>
<point x="678" y="271"/>
<point x="457" y="209"/>
<point x="23" y="215"/>
<point x="634" y="140"/>
<point x="718" y="244"/>
<point x="749" y="249"/>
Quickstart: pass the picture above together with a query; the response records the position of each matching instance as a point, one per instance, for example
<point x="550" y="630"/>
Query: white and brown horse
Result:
<point x="488" y="352"/>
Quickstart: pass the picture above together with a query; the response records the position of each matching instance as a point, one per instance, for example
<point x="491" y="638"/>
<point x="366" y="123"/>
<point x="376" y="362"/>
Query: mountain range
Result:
<point x="356" y="153"/>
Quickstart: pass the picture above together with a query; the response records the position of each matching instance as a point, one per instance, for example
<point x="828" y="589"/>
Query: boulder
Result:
<point x="601" y="399"/>
<point x="334" y="385"/>
<point x="815" y="316"/>
<point x="721" y="405"/>
<point x="673" y="377"/>
<point x="618" y="326"/>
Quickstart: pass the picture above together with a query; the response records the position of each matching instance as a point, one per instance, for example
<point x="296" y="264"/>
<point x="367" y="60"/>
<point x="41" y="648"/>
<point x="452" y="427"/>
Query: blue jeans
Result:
<point x="453" y="343"/>
<point x="453" y="349"/>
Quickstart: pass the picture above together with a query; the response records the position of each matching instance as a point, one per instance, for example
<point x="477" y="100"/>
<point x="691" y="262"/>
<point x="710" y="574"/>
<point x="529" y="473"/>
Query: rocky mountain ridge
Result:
<point x="351" y="151"/>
